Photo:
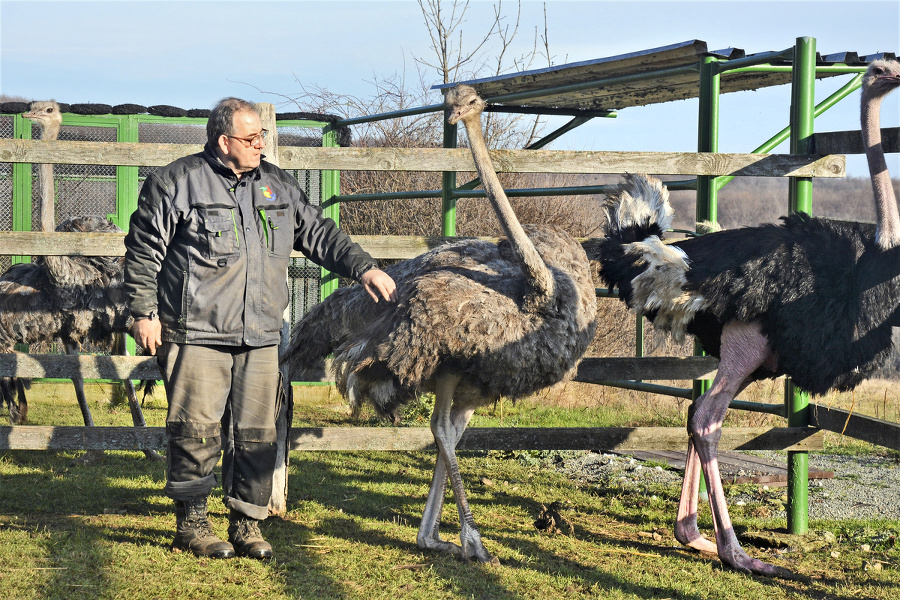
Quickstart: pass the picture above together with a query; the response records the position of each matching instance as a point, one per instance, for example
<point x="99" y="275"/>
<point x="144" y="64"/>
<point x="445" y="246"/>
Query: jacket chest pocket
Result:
<point x="217" y="225"/>
<point x="279" y="229"/>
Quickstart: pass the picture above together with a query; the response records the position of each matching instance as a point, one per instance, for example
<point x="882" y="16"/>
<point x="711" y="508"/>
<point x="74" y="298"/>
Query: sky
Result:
<point x="192" y="53"/>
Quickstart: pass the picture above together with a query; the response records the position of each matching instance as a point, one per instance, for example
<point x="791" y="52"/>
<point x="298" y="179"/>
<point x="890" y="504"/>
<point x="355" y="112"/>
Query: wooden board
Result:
<point x="420" y="438"/>
<point x="860" y="427"/>
<point x="735" y="467"/>
<point x="444" y="159"/>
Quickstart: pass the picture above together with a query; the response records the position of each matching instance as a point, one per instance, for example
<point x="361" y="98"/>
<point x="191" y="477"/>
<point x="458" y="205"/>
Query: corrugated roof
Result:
<point x="640" y="78"/>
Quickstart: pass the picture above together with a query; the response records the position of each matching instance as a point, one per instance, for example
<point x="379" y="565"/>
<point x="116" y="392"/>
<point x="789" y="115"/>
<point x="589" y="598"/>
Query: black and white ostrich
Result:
<point x="473" y="321"/>
<point x="810" y="298"/>
<point x="74" y="299"/>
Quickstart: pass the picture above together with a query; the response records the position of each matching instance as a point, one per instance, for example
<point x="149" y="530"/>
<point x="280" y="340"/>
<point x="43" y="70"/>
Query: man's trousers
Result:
<point x="211" y="389"/>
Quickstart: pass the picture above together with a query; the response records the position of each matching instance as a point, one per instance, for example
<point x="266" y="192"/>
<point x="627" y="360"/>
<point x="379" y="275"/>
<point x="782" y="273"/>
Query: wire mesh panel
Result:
<point x="304" y="276"/>
<point x="6" y="188"/>
<point x="169" y="133"/>
<point x="81" y="190"/>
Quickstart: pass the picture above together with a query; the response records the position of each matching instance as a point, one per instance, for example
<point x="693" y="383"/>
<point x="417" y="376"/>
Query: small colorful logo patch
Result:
<point x="267" y="192"/>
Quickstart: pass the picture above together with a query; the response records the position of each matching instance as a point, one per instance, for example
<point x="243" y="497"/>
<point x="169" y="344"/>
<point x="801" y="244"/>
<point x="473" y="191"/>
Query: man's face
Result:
<point x="237" y="151"/>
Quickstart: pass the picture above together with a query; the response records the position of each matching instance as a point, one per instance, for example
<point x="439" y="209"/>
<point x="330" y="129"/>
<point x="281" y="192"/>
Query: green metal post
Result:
<point x="803" y="80"/>
<point x="448" y="186"/>
<point x="707" y="195"/>
<point x="22" y="186"/>
<point x="126" y="192"/>
<point x="331" y="186"/>
<point x="126" y="177"/>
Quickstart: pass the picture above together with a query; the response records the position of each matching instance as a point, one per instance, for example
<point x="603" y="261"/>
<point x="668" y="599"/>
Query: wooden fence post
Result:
<point x="278" y="501"/>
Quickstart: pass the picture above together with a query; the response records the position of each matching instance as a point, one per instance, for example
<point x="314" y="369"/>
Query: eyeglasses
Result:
<point x="258" y="139"/>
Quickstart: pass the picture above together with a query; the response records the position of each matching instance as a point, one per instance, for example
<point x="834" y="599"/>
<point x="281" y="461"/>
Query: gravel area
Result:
<point x="865" y="487"/>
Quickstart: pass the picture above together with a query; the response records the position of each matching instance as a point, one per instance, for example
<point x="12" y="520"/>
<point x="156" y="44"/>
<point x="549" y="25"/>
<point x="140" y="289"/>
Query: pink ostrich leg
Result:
<point x="744" y="349"/>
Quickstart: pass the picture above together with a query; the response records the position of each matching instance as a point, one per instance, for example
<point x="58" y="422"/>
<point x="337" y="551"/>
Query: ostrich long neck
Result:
<point x="532" y="264"/>
<point x="47" y="198"/>
<point x="48" y="192"/>
<point x="888" y="233"/>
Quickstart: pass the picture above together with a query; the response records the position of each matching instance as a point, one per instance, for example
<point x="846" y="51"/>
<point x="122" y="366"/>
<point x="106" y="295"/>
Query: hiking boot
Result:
<point x="244" y="534"/>
<point x="193" y="531"/>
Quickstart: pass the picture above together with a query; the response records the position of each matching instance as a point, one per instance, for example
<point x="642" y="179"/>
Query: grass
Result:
<point x="103" y="530"/>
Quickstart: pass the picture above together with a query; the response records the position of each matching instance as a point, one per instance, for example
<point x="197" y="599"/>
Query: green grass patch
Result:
<point x="71" y="531"/>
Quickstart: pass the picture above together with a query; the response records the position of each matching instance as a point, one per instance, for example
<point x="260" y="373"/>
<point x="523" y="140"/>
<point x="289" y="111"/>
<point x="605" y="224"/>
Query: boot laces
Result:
<point x="248" y="529"/>
<point x="200" y="524"/>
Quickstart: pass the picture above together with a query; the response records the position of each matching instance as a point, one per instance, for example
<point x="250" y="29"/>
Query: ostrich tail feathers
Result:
<point x="639" y="208"/>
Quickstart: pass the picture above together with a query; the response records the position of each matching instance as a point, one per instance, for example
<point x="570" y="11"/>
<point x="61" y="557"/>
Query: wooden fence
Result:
<point x="592" y="370"/>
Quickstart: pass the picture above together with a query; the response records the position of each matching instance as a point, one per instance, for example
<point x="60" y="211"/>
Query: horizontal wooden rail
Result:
<point x="443" y="159"/>
<point x="591" y="370"/>
<point x="856" y="426"/>
<point x="648" y="368"/>
<point x="64" y="366"/>
<point x="850" y="142"/>
<point x="420" y="438"/>
<point x="38" y="243"/>
<point x="602" y="369"/>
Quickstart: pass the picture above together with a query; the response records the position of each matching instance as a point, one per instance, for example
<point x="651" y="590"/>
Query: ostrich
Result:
<point x="473" y="321"/>
<point x="74" y="299"/>
<point x="809" y="298"/>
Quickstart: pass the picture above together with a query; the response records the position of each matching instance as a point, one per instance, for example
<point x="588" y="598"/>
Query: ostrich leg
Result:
<point x="429" y="530"/>
<point x="744" y="349"/>
<point x="447" y="425"/>
<point x="686" y="530"/>
<point x="22" y="411"/>
<point x="90" y="456"/>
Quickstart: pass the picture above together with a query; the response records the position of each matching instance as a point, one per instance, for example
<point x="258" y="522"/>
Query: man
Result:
<point x="205" y="270"/>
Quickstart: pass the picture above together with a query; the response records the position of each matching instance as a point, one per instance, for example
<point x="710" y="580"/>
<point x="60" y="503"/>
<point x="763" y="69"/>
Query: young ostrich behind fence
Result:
<point x="810" y="298"/>
<point x="473" y="321"/>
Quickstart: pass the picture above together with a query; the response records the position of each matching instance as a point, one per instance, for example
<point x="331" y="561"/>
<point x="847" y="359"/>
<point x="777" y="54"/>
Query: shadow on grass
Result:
<point x="391" y="488"/>
<point x="368" y="505"/>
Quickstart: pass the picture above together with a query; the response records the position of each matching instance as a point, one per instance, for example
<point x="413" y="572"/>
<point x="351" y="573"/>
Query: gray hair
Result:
<point x="221" y="119"/>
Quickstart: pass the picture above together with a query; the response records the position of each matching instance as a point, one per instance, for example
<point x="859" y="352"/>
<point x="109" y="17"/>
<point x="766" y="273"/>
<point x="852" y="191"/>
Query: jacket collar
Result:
<point x="219" y="167"/>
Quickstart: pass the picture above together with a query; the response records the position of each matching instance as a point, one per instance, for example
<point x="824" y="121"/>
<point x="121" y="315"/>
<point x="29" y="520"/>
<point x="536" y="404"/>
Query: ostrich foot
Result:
<point x="470" y="551"/>
<point x="88" y="458"/>
<point x="154" y="456"/>
<point x="737" y="559"/>
<point x="473" y="548"/>
<point x="689" y="535"/>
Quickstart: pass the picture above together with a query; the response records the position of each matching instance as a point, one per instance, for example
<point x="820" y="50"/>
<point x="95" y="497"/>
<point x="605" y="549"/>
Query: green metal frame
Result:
<point x="331" y="187"/>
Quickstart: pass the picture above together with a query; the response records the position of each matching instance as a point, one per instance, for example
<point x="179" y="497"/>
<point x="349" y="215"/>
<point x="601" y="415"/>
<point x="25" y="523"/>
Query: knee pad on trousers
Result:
<point x="253" y="464"/>
<point x="193" y="452"/>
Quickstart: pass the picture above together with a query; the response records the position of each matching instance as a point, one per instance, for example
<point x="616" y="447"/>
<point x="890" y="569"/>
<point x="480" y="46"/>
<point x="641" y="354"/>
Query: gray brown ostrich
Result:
<point x="474" y="321"/>
<point x="74" y="299"/>
<point x="810" y="298"/>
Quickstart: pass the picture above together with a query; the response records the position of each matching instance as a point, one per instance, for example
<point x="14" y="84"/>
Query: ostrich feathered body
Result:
<point x="461" y="308"/>
<point x="74" y="299"/>
<point x="824" y="294"/>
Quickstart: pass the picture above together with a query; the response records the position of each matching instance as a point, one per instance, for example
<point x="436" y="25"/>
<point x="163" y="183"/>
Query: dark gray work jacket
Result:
<point x="208" y="252"/>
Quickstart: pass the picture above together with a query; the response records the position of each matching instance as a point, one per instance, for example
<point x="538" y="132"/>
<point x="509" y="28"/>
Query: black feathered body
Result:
<point x="462" y="307"/>
<point x="824" y="294"/>
<point x="73" y="299"/>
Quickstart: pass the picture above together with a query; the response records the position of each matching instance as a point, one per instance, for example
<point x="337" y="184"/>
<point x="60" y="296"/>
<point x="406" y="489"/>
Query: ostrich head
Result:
<point x="47" y="115"/>
<point x="881" y="77"/>
<point x="463" y="102"/>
